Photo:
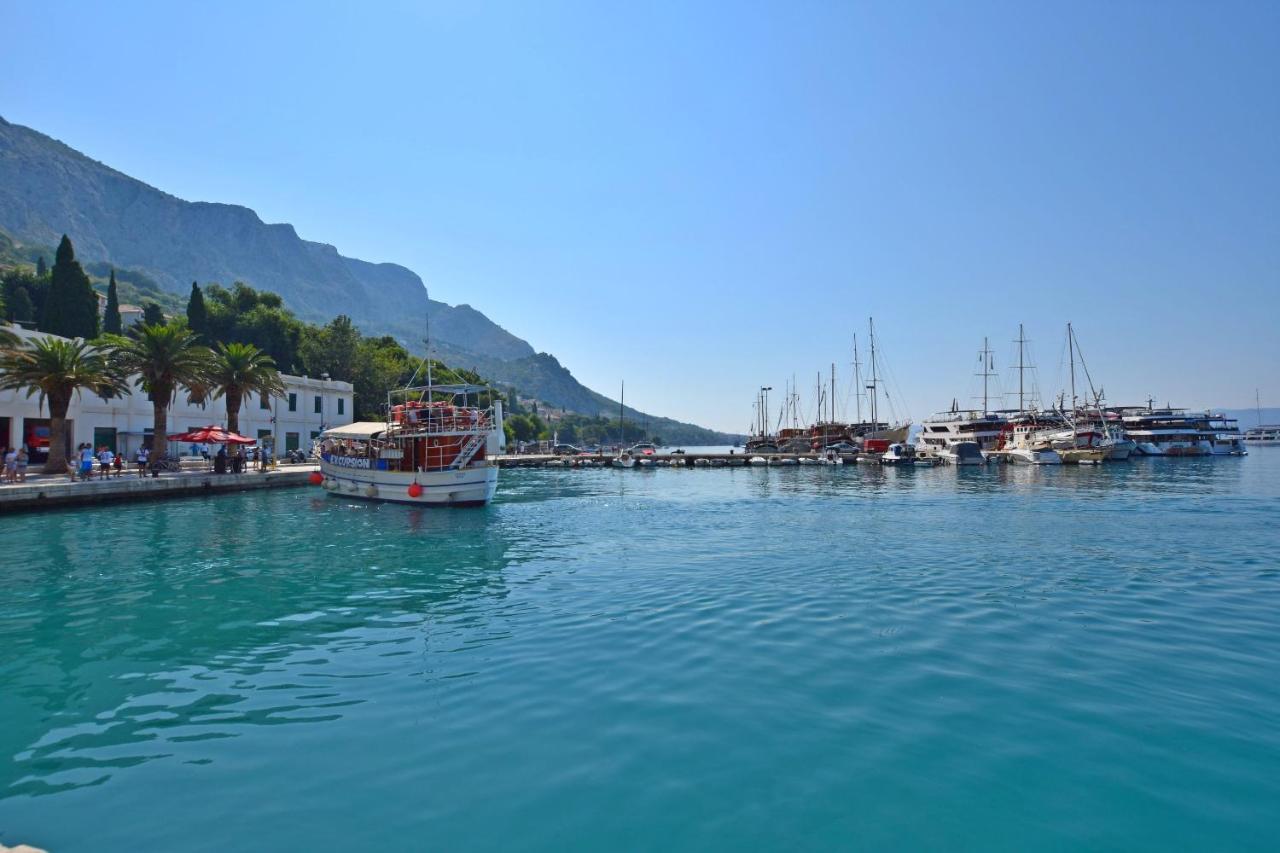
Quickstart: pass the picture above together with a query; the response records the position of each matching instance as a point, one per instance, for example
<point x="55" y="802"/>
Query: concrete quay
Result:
<point x="47" y="491"/>
<point x="585" y="460"/>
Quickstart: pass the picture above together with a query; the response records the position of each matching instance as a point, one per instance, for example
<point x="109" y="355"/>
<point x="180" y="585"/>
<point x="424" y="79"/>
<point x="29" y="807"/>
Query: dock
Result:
<point x="45" y="492"/>
<point x="690" y="460"/>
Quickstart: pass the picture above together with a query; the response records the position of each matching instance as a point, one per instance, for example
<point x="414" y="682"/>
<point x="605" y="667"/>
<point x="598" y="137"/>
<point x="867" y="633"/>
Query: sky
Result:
<point x="705" y="198"/>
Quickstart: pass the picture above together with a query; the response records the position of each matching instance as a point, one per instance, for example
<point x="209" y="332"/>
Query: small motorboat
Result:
<point x="624" y="460"/>
<point x="899" y="454"/>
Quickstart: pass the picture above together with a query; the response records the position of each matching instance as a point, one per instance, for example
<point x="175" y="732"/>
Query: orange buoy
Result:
<point x="316" y="478"/>
<point x="415" y="490"/>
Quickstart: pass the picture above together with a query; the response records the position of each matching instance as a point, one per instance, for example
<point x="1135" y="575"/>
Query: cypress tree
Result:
<point x="20" y="308"/>
<point x="197" y="315"/>
<point x="71" y="308"/>
<point x="40" y="267"/>
<point x="152" y="315"/>
<point x="111" y="318"/>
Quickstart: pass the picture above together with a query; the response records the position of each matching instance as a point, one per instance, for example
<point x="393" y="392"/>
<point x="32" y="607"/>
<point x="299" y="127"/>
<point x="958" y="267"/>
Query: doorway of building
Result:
<point x="104" y="437"/>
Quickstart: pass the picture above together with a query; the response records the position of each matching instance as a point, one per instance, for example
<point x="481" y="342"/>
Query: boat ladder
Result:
<point x="464" y="457"/>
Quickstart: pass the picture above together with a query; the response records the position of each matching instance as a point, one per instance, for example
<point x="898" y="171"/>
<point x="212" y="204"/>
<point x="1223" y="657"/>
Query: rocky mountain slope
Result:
<point x="48" y="188"/>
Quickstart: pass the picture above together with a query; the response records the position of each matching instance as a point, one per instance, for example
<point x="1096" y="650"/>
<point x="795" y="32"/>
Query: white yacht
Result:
<point x="1026" y="441"/>
<point x="1263" y="434"/>
<point x="962" y="453"/>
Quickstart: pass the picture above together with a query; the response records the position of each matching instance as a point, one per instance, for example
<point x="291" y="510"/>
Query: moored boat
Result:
<point x="434" y="449"/>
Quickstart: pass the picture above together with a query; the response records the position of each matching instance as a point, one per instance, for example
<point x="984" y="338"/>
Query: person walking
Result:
<point x="22" y="460"/>
<point x="141" y="459"/>
<point x="10" y="465"/>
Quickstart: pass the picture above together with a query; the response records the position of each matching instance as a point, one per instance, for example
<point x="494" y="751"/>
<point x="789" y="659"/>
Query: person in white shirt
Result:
<point x="105" y="458"/>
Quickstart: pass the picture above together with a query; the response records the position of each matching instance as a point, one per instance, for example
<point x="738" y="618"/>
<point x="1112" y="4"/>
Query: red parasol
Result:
<point x="212" y="435"/>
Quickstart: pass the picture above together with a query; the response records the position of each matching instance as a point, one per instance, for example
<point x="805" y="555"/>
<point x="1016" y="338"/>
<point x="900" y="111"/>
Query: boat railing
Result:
<point x="436" y="419"/>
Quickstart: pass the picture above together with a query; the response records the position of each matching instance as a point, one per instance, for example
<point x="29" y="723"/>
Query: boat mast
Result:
<point x="1022" y="339"/>
<point x="1071" y="351"/>
<point x="622" y="416"/>
<point x="857" y="378"/>
<point x="986" y="372"/>
<point x="833" y="392"/>
<point x="1257" y="403"/>
<point x="871" y="324"/>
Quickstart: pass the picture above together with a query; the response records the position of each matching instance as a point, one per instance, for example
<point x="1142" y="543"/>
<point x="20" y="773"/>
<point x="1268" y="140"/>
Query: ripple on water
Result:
<point x="1001" y="658"/>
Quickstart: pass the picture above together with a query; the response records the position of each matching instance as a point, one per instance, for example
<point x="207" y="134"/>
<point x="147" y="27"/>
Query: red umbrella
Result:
<point x="212" y="435"/>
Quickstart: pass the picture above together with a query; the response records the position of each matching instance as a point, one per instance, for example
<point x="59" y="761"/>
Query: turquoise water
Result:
<point x="807" y="658"/>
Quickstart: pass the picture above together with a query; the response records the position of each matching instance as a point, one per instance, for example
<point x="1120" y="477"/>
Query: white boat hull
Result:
<point x="1027" y="456"/>
<point x="473" y="486"/>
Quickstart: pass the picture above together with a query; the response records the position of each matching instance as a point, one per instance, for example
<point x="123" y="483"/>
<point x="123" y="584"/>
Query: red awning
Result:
<point x="212" y="435"/>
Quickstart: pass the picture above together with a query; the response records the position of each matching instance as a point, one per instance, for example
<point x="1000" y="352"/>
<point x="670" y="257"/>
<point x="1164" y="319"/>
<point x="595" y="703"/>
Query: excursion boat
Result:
<point x="434" y="449"/>
<point x="943" y="430"/>
<point x="1176" y="432"/>
<point x="986" y="428"/>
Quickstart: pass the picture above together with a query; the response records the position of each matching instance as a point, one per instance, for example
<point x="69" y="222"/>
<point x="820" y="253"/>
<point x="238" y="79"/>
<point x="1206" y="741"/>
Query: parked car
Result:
<point x="842" y="447"/>
<point x="565" y="450"/>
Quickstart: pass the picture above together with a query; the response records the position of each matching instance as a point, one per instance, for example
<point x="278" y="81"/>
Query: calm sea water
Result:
<point x="1000" y="659"/>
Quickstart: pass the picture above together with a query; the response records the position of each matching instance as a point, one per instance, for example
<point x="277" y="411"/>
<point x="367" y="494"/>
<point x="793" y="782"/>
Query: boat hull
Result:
<point x="472" y="486"/>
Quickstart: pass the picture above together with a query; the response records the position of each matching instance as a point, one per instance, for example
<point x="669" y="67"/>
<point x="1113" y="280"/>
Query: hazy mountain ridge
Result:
<point x="48" y="188"/>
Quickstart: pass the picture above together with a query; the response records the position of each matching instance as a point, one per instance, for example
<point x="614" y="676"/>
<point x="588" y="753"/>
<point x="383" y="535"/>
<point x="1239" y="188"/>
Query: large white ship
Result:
<point x="434" y="448"/>
<point x="1177" y="432"/>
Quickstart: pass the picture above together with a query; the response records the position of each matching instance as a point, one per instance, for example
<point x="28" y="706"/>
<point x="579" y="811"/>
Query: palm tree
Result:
<point x="8" y="340"/>
<point x="240" y="369"/>
<point x="58" y="369"/>
<point x="164" y="358"/>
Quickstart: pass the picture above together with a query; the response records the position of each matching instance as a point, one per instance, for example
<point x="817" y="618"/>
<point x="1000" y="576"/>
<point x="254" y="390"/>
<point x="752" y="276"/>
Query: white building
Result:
<point x="292" y="421"/>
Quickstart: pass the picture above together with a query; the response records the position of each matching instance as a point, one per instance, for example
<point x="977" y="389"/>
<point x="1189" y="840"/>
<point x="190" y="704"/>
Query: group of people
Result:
<point x="15" y="464"/>
<point x="107" y="461"/>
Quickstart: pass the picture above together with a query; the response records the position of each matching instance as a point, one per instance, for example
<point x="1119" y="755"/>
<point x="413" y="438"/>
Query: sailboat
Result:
<point x="875" y="428"/>
<point x="1262" y="433"/>
<point x="625" y="458"/>
<point x="1081" y="447"/>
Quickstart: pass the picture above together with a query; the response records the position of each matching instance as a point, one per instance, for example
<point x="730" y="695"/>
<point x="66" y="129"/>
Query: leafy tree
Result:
<point x="40" y="267"/>
<point x="332" y="349"/>
<point x="20" y="308"/>
<point x="164" y="358"/>
<point x="197" y="314"/>
<point x="13" y="280"/>
<point x="152" y="314"/>
<point x="111" y="317"/>
<point x="71" y="308"/>
<point x="381" y="365"/>
<point x="58" y="369"/>
<point x="240" y="369"/>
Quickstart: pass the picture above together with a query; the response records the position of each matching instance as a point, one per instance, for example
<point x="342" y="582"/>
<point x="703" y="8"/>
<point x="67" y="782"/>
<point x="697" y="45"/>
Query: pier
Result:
<point x="677" y="460"/>
<point x="44" y="492"/>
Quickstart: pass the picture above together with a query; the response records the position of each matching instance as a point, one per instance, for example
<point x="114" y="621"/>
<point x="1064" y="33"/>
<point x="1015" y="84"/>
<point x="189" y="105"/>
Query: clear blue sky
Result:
<point x="703" y="198"/>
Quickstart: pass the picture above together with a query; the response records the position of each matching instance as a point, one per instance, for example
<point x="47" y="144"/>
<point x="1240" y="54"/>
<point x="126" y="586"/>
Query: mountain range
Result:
<point x="48" y="189"/>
